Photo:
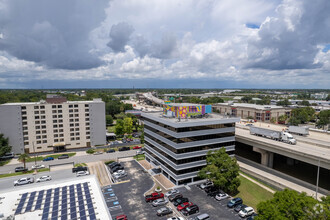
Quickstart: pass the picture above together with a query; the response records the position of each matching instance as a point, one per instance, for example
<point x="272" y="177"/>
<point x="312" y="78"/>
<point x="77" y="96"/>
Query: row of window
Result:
<point x="190" y="139"/>
<point x="193" y="128"/>
<point x="189" y="149"/>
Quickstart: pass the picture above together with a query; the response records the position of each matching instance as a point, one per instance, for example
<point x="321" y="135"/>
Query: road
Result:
<point x="76" y="159"/>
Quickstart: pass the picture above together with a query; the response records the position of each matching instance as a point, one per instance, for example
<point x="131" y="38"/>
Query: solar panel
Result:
<point x="21" y="204"/>
<point x="39" y="199"/>
<point x="89" y="201"/>
<point x="30" y="202"/>
<point x="47" y="205"/>
<point x="55" y="204"/>
<point x="81" y="206"/>
<point x="73" y="213"/>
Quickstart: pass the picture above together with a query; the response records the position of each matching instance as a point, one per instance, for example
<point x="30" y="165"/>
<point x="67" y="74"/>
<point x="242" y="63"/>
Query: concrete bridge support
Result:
<point x="267" y="158"/>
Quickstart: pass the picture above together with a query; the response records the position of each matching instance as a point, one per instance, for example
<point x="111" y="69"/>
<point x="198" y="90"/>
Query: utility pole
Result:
<point x="317" y="179"/>
<point x="35" y="158"/>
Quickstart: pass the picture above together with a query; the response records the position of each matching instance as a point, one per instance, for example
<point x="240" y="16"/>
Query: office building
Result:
<point x="54" y="124"/>
<point x="178" y="139"/>
<point x="252" y="111"/>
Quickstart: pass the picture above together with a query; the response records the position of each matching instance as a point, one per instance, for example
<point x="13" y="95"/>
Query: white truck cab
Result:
<point x="287" y="137"/>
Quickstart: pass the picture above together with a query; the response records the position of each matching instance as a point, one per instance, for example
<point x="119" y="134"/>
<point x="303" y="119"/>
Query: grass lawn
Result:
<point x="80" y="165"/>
<point x="21" y="173"/>
<point x="55" y="156"/>
<point x="111" y="129"/>
<point x="251" y="193"/>
<point x="139" y="157"/>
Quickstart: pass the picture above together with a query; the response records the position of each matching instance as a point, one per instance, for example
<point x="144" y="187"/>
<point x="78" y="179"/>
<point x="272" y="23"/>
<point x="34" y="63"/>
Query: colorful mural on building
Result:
<point x="185" y="111"/>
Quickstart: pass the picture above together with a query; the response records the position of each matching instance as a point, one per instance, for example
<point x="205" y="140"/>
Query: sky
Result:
<point x="165" y="44"/>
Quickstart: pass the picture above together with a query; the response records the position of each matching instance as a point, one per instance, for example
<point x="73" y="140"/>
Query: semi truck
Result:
<point x="298" y="130"/>
<point x="275" y="135"/>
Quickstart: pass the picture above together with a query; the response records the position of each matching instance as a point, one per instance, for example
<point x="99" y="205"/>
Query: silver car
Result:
<point x="171" y="192"/>
<point x="24" y="181"/>
<point x="159" y="202"/>
<point x="43" y="179"/>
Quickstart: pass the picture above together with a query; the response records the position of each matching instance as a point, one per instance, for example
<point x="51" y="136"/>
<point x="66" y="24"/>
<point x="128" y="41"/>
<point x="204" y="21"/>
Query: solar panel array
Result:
<point x="67" y="202"/>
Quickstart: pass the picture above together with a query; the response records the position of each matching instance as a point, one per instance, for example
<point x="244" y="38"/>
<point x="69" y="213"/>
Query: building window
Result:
<point x="54" y="126"/>
<point x="87" y="128"/>
<point x="42" y="107"/>
<point x="43" y="122"/>
<point x="36" y="112"/>
<point x="55" y="131"/>
<point x="59" y="106"/>
<point x="23" y="107"/>
<point x="44" y="141"/>
<point x="44" y="131"/>
<point x="258" y="116"/>
<point x="54" y="111"/>
<point x="38" y="142"/>
<point x="37" y="122"/>
<point x="25" y="133"/>
<point x="76" y="110"/>
<point x="53" y="106"/>
<point x="25" y="138"/>
<point x="77" y="129"/>
<point x="37" y="132"/>
<point x="60" y="125"/>
<point x="267" y="118"/>
<point x="60" y="121"/>
<point x="71" y="129"/>
<point x="76" y="106"/>
<point x="77" y="134"/>
<point x="77" y="119"/>
<point x="72" y="139"/>
<point x="61" y="135"/>
<point x="87" y="119"/>
<point x="71" y="115"/>
<point x="42" y="112"/>
<point x="24" y="118"/>
<point x="70" y="106"/>
<point x="61" y="130"/>
<point x="59" y="111"/>
<point x="77" y="124"/>
<point x="62" y="139"/>
<point x="37" y="127"/>
<point x="71" y="125"/>
<point x="87" y="133"/>
<point x="86" y="105"/>
<point x="70" y="110"/>
<point x="60" y="116"/>
<point x="26" y="143"/>
<point x="76" y="115"/>
<point x="71" y="120"/>
<point x="55" y="140"/>
<point x="25" y="123"/>
<point x="87" y="123"/>
<point x="77" y="138"/>
<point x="36" y="107"/>
<point x="88" y="137"/>
<point x="43" y="127"/>
<point x="38" y="137"/>
<point x="87" y="114"/>
<point x="44" y="136"/>
<point x="86" y="110"/>
<point x="23" y="113"/>
<point x="55" y="135"/>
<point x="54" y="116"/>
<point x="35" y="117"/>
<point x="54" y="121"/>
<point x="43" y="117"/>
<point x="72" y="134"/>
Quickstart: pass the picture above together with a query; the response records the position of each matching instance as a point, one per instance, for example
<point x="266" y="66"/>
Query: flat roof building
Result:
<point x="257" y="112"/>
<point x="53" y="125"/>
<point x="178" y="146"/>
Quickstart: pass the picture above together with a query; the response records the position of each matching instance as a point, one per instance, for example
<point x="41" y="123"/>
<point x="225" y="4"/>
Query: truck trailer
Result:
<point x="275" y="135"/>
<point x="298" y="130"/>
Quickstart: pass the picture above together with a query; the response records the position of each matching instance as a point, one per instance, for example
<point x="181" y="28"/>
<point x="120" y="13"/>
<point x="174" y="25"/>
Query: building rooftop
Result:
<point x="44" y="102"/>
<point x="255" y="106"/>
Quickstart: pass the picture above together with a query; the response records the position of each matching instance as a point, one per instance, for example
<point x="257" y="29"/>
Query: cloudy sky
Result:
<point x="164" y="43"/>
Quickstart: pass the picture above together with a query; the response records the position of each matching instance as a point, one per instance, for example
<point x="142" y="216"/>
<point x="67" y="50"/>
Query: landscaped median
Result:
<point x="21" y="173"/>
<point x="55" y="156"/>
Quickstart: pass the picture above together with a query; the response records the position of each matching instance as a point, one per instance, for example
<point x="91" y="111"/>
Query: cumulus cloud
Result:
<point x="290" y="40"/>
<point x="119" y="36"/>
<point x="52" y="33"/>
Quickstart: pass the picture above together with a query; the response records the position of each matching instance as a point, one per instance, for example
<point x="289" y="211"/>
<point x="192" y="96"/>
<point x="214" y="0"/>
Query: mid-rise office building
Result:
<point x="178" y="139"/>
<point x="54" y="124"/>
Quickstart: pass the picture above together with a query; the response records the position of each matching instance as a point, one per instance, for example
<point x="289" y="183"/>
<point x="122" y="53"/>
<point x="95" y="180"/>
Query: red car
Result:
<point x="121" y="217"/>
<point x="154" y="196"/>
<point x="137" y="147"/>
<point x="184" y="205"/>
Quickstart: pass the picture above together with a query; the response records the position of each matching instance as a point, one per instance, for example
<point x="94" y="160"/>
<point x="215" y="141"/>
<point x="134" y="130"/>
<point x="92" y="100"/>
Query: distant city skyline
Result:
<point x="280" y="44"/>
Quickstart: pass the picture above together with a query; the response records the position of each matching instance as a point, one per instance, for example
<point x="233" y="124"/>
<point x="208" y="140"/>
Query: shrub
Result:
<point x="90" y="151"/>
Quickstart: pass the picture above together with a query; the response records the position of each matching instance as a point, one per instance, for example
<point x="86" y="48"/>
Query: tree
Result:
<point x="273" y="120"/>
<point x="4" y="145"/>
<point x="23" y="157"/>
<point x="289" y="204"/>
<point x="128" y="125"/>
<point x="282" y="118"/>
<point x="301" y="115"/>
<point x="90" y="151"/>
<point x="305" y="103"/>
<point x="324" y="118"/>
<point x="119" y="128"/>
<point x="109" y="119"/>
<point x="246" y="99"/>
<point x="284" y="102"/>
<point x="222" y="170"/>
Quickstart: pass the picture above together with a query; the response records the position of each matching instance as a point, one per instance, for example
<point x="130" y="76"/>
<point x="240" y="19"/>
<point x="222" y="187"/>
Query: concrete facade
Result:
<point x="179" y="147"/>
<point x="43" y="126"/>
<point x="257" y="112"/>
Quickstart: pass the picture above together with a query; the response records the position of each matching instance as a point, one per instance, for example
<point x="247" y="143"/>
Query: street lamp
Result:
<point x="35" y="158"/>
<point x="317" y="179"/>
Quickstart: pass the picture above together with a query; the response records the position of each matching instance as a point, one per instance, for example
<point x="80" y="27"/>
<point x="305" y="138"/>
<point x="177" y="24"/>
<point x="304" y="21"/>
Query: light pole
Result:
<point x="317" y="179"/>
<point x="35" y="158"/>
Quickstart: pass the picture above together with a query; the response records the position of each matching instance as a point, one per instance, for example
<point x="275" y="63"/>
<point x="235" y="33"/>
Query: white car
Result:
<point x="24" y="181"/>
<point x="82" y="173"/>
<point x="97" y="153"/>
<point x="119" y="175"/>
<point x="159" y="202"/>
<point x="171" y="192"/>
<point x="38" y="166"/>
<point x="206" y="184"/>
<point x="43" y="179"/>
<point x="119" y="172"/>
<point x="246" y="212"/>
<point x="221" y="196"/>
<point x="175" y="218"/>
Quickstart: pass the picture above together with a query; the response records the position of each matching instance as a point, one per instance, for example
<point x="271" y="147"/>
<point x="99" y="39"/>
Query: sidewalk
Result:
<point x="275" y="180"/>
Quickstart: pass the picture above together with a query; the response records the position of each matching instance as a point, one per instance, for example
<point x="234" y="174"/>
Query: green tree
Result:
<point x="324" y="118"/>
<point x="302" y="115"/>
<point x="4" y="145"/>
<point x="289" y="204"/>
<point x="90" y="151"/>
<point x="305" y="103"/>
<point x="119" y="128"/>
<point x="273" y="120"/>
<point x="222" y="170"/>
<point x="22" y="158"/>
<point x="246" y="99"/>
<point x="128" y="125"/>
<point x="109" y="119"/>
<point x="282" y="118"/>
<point x="284" y="102"/>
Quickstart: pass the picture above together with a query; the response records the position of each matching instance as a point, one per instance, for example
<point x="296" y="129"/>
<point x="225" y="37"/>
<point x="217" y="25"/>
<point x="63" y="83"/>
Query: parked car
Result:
<point x="211" y="189"/>
<point x="82" y="173"/>
<point x="113" y="164"/>
<point x="63" y="156"/>
<point x="184" y="205"/>
<point x="121" y="217"/>
<point x="140" y="151"/>
<point x="97" y="153"/>
<point x="77" y="169"/>
<point x="20" y="169"/>
<point x="119" y="175"/>
<point x="247" y="211"/>
<point x="124" y="148"/>
<point x="251" y="217"/>
<point x="179" y="201"/>
<point x="173" y="191"/>
<point x="206" y="184"/>
<point x="137" y="147"/>
<point x="221" y="196"/>
<point x="159" y="202"/>
<point x="7" y="156"/>
<point x="111" y="151"/>
<point x="120" y="172"/>
<point x="154" y="196"/>
<point x="23" y="181"/>
<point x="116" y="169"/>
<point x="48" y="158"/>
<point x="240" y="207"/>
<point x="213" y="193"/>
<point x="175" y="218"/>
<point x="164" y="211"/>
<point x="190" y="210"/>
<point x="38" y="166"/>
<point x="201" y="217"/>
<point x="234" y="202"/>
<point x="43" y="179"/>
<point x="175" y="196"/>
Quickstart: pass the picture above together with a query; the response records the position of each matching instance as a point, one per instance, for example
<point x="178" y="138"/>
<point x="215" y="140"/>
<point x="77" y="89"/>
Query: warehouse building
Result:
<point x="178" y="139"/>
<point x="246" y="111"/>
<point x="54" y="124"/>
